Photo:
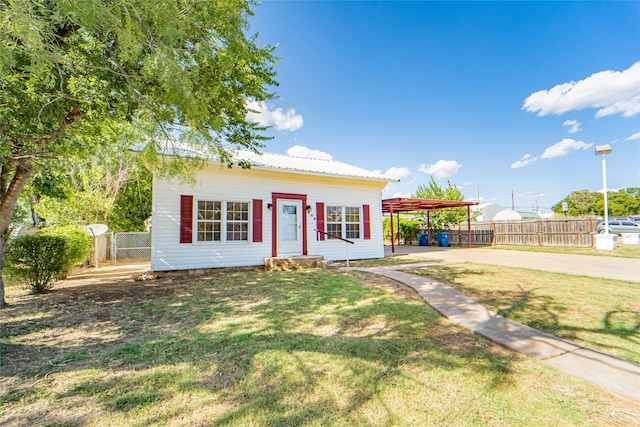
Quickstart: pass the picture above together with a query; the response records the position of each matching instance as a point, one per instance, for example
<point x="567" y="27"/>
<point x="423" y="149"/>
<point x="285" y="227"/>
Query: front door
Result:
<point x="289" y="227"/>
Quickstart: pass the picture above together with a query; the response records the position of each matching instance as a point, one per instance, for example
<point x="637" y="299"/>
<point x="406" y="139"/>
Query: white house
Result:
<point x="239" y="217"/>
<point x="487" y="211"/>
<point x="510" y="215"/>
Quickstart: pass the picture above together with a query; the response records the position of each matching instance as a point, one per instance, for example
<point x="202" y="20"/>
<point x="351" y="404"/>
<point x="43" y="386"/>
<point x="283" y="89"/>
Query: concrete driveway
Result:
<point x="585" y="265"/>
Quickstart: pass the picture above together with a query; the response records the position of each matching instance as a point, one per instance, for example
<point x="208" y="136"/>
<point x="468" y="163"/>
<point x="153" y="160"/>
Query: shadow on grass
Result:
<point x="540" y="311"/>
<point x="285" y="348"/>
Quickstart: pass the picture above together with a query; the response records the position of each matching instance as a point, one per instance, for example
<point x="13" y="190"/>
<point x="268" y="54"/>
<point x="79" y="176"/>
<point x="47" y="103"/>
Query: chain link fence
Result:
<point x="131" y="247"/>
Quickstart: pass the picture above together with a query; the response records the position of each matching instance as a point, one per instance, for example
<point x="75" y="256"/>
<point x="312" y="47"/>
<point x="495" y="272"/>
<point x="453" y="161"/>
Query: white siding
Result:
<point x="220" y="183"/>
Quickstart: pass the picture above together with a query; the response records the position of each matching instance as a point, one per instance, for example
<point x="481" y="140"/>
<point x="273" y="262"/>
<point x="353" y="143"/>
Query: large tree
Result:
<point x="621" y="202"/>
<point x="75" y="72"/>
<point x="579" y="203"/>
<point x="442" y="219"/>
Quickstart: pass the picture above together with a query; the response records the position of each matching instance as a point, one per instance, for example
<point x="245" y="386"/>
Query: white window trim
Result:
<point x="223" y="223"/>
<point x="344" y="221"/>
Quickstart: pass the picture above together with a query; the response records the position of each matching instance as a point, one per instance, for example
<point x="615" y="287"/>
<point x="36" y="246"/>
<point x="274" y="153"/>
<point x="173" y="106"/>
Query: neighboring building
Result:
<point x="487" y="211"/>
<point x="239" y="217"/>
<point x="509" y="215"/>
<point x="547" y="215"/>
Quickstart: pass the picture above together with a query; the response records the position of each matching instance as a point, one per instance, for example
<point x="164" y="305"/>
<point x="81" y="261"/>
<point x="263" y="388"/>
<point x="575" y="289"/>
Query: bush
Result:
<point x="408" y="228"/>
<point x="38" y="260"/>
<point x="78" y="241"/>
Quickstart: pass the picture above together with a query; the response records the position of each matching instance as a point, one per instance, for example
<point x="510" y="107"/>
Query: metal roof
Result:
<point x="307" y="165"/>
<point x="407" y="205"/>
<point x="277" y="162"/>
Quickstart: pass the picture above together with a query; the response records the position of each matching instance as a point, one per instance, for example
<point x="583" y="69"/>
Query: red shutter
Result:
<point x="320" y="218"/>
<point x="366" y="215"/>
<point x="186" y="219"/>
<point x="257" y="220"/>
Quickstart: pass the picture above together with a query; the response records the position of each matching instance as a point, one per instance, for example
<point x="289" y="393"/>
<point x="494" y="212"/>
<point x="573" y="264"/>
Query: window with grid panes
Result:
<point x="218" y="219"/>
<point x="343" y="221"/>
<point x="333" y="221"/>
<point x="352" y="222"/>
<point x="237" y="221"/>
<point x="209" y="221"/>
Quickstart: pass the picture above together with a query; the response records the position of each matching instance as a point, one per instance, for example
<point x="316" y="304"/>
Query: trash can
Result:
<point x="423" y="240"/>
<point x="443" y="239"/>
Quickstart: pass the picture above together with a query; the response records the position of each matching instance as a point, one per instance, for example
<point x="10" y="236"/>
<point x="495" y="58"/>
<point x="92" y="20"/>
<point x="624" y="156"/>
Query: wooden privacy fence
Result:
<point x="574" y="231"/>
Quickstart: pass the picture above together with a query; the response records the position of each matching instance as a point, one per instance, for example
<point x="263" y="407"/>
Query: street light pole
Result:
<point x="607" y="241"/>
<point x="606" y="194"/>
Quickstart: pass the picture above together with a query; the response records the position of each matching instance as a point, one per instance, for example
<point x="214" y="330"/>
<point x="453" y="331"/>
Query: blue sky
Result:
<point x="504" y="96"/>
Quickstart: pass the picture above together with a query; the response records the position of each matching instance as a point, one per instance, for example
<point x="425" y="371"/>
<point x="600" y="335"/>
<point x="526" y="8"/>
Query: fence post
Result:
<point x="493" y="234"/>
<point x="113" y="248"/>
<point x="539" y="227"/>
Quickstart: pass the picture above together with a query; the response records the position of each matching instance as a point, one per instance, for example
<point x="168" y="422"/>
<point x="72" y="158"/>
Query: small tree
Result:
<point x="38" y="260"/>
<point x="442" y="219"/>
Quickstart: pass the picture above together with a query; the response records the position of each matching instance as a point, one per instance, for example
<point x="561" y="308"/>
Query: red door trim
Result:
<point x="274" y="219"/>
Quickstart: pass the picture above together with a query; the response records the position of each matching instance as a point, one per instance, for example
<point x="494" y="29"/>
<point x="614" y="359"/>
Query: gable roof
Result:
<point x="277" y="162"/>
<point x="307" y="165"/>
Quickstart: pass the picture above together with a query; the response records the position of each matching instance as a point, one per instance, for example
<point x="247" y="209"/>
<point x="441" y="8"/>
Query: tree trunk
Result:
<point x="24" y="169"/>
<point x="3" y="244"/>
<point x="34" y="200"/>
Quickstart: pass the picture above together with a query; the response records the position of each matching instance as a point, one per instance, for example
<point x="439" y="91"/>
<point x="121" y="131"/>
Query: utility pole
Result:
<point x="513" y="201"/>
<point x="478" y="194"/>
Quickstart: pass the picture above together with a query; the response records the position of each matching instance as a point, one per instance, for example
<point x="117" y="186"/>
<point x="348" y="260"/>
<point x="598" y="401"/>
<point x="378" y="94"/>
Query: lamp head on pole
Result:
<point x="601" y="150"/>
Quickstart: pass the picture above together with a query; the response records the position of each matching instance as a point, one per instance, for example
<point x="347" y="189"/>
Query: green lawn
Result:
<point x="622" y="251"/>
<point x="598" y="313"/>
<point x="249" y="348"/>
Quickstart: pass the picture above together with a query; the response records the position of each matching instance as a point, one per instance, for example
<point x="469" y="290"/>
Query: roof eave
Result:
<point x="302" y="172"/>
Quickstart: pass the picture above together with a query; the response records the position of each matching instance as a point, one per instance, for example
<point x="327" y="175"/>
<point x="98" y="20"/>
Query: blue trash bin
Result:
<point x="443" y="239"/>
<point x="423" y="240"/>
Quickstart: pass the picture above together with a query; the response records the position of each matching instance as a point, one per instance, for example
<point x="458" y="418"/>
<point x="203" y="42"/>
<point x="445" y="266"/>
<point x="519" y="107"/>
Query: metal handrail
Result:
<point x="334" y="236"/>
<point x="337" y="237"/>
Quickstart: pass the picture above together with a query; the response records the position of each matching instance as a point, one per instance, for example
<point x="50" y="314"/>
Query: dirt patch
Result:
<point x="375" y="280"/>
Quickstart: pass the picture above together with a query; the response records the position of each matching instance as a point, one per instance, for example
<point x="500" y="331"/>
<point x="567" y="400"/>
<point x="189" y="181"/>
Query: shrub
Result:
<point x="38" y="260"/>
<point x="78" y="241"/>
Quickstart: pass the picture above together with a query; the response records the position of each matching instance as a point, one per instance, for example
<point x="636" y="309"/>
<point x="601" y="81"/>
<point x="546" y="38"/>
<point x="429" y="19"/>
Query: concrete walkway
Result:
<point x="613" y="373"/>
<point x="584" y="265"/>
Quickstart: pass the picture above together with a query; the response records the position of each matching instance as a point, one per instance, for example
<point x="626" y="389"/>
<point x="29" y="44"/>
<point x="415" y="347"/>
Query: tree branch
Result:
<point x="125" y="75"/>
<point x="74" y="115"/>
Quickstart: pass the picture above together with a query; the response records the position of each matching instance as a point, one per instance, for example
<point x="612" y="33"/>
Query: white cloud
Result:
<point x="441" y="168"/>
<point x="564" y="147"/>
<point x="302" y="151"/>
<point x="524" y="161"/>
<point x="400" y="194"/>
<point x="410" y="181"/>
<point x="397" y="173"/>
<point x="634" y="136"/>
<point x="265" y="115"/>
<point x="613" y="92"/>
<point x="574" y="125"/>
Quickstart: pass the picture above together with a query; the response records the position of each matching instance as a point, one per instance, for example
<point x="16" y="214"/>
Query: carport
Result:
<point x="398" y="205"/>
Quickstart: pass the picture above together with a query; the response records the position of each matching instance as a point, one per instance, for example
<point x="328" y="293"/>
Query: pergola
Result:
<point x="398" y="205"/>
